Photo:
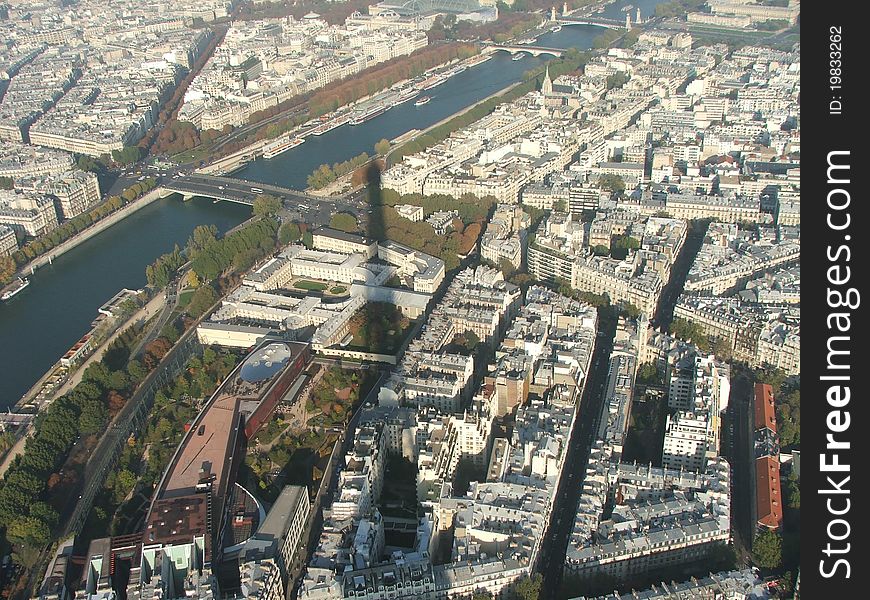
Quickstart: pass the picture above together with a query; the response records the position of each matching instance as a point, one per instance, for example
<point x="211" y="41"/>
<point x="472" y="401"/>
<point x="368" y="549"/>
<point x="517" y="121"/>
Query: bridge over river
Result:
<point x="231" y="189"/>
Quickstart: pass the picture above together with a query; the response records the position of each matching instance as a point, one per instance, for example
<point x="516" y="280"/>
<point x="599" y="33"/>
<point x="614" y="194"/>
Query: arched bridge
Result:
<point x="230" y="189"/>
<point x="533" y="50"/>
<point x="598" y="22"/>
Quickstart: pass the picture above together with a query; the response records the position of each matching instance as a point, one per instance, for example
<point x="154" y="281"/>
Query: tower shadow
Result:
<point x="375" y="226"/>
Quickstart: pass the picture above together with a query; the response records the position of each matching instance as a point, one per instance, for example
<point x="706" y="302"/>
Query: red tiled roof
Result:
<point x="765" y="412"/>
<point x="768" y="493"/>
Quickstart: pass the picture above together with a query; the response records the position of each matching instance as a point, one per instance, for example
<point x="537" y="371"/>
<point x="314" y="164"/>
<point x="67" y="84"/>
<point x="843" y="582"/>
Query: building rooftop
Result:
<point x="765" y="412"/>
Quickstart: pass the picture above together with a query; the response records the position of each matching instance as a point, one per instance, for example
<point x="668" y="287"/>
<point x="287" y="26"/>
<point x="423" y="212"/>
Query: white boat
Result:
<point x="480" y="58"/>
<point x="332" y="124"/>
<point x="406" y="95"/>
<point x="519" y="56"/>
<point x="22" y="283"/>
<point x="422" y="100"/>
<point x="369" y="113"/>
<point x="556" y="29"/>
<point x="433" y="82"/>
<point x="275" y="148"/>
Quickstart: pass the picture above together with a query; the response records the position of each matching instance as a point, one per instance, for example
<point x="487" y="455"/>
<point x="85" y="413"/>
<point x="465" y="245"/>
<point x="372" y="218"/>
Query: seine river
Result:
<point x="44" y="320"/>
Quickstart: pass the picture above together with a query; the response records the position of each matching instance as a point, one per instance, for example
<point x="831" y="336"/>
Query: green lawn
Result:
<point x="311" y="286"/>
<point x="184" y="298"/>
<point x="339" y="289"/>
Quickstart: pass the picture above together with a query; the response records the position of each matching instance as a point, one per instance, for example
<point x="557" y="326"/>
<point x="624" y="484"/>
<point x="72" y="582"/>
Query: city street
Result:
<point x="554" y="546"/>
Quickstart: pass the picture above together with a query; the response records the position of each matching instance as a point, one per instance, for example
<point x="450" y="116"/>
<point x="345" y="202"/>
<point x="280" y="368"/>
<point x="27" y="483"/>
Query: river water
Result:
<point x="43" y="321"/>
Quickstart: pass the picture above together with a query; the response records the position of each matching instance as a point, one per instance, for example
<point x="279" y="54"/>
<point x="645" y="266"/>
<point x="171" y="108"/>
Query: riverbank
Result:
<point x="143" y="314"/>
<point x="240" y="158"/>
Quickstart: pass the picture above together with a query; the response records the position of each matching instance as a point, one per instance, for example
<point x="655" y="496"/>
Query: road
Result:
<point x="552" y="557"/>
<point x="170" y="302"/>
<point x="674" y="287"/>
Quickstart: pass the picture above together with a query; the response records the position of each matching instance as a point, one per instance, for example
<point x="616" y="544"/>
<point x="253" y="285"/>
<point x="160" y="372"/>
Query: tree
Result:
<point x="617" y="80"/>
<point x="116" y="402"/>
<point x="28" y="531"/>
<point x="289" y="232"/>
<point x="793" y="487"/>
<point x="647" y="373"/>
<point x="266" y="204"/>
<point x="529" y="588"/>
<point x="7" y="183"/>
<point x="201" y="300"/>
<point x="383" y="146"/>
<point x="155" y="351"/>
<point x="767" y="549"/>
<point x="506" y="267"/>
<point x="612" y="183"/>
<point x="343" y="222"/>
<point x="201" y="238"/>
<point x="7" y="269"/>
<point x="129" y="154"/>
<point x="90" y="164"/>
<point x="125" y="480"/>
<point x="93" y="417"/>
<point x="136" y="371"/>
<point x="192" y="280"/>
<point x="45" y="513"/>
<point x="98" y="373"/>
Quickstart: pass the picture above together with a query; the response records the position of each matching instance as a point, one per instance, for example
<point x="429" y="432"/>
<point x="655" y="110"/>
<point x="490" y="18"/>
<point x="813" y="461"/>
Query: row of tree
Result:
<point x="159" y="140"/>
<point x="569" y="63"/>
<point x="692" y="332"/>
<point x="324" y="174"/>
<point x="333" y="13"/>
<point x="81" y="222"/>
<point x="787" y="395"/>
<point x="161" y="271"/>
<point x="382" y="76"/>
<point x="320" y="102"/>
<point x="127" y="155"/>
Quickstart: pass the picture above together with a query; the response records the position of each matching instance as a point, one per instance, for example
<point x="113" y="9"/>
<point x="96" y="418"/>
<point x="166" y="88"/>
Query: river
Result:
<point x="291" y="169"/>
<point x="44" y="320"/>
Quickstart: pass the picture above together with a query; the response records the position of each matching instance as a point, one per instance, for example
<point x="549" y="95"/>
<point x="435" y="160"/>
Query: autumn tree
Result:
<point x="155" y="351"/>
<point x="116" y="402"/>
<point x="382" y="147"/>
<point x="7" y="269"/>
